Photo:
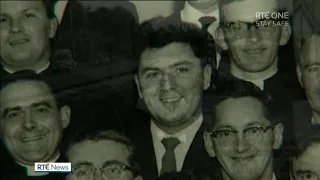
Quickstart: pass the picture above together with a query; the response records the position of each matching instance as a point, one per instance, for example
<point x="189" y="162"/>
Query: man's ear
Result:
<point x="278" y="136"/>
<point x="207" y="71"/>
<point x="65" y="114"/>
<point x="138" y="178"/>
<point x="53" y="26"/>
<point x="286" y="32"/>
<point x="299" y="74"/>
<point x="136" y="79"/>
<point x="208" y="144"/>
<point x="220" y="39"/>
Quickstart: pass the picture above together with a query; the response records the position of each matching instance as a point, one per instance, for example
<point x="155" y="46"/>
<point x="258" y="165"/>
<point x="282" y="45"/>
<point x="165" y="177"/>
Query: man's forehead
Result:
<point x="239" y="112"/>
<point x="110" y="150"/>
<point x="311" y="50"/>
<point x="25" y="93"/>
<point x="12" y="7"/>
<point x="246" y="10"/>
<point x="169" y="54"/>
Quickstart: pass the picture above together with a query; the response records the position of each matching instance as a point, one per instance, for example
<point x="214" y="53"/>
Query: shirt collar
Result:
<point x="256" y="81"/>
<point x="192" y="15"/>
<point x="274" y="177"/>
<point x="183" y="135"/>
<point x="31" y="169"/>
<point x="11" y="71"/>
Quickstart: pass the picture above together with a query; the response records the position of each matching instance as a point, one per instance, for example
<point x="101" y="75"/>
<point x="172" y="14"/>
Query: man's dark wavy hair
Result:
<point x="305" y="139"/>
<point x="186" y="33"/>
<point x="275" y="111"/>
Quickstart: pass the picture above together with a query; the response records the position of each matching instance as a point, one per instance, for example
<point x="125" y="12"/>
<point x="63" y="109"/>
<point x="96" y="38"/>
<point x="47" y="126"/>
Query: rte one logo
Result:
<point x="53" y="167"/>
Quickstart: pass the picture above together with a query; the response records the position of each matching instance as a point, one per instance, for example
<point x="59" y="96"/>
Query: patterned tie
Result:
<point x="169" y="159"/>
<point x="206" y="21"/>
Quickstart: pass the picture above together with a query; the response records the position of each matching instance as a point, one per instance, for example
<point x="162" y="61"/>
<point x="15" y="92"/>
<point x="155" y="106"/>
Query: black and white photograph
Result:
<point x="160" y="90"/>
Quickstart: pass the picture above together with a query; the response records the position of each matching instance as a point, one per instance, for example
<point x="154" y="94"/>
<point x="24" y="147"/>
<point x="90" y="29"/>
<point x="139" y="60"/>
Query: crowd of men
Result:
<point x="212" y="100"/>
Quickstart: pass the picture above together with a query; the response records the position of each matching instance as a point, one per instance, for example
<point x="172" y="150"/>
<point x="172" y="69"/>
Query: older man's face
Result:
<point x="253" y="48"/>
<point x="25" y="30"/>
<point x="111" y="157"/>
<point x="307" y="165"/>
<point x="31" y="122"/>
<point x="243" y="139"/>
<point x="310" y="71"/>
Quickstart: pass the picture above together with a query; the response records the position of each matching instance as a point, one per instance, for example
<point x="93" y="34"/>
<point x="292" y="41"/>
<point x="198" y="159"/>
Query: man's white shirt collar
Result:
<point x="185" y="137"/>
<point x="11" y="71"/>
<point x="192" y="15"/>
<point x="31" y="170"/>
<point x="259" y="81"/>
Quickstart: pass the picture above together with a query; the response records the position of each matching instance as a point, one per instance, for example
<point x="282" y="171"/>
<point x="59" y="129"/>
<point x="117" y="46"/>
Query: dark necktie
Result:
<point x="206" y="21"/>
<point x="169" y="159"/>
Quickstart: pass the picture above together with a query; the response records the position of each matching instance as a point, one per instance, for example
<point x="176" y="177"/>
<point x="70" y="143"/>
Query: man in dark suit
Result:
<point x="253" y="49"/>
<point x="32" y="124"/>
<point x="26" y="30"/>
<point x="245" y="133"/>
<point x="308" y="112"/>
<point x="173" y="71"/>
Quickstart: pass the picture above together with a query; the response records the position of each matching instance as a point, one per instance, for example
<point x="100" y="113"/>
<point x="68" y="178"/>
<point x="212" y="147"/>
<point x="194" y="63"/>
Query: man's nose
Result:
<point x="167" y="82"/>
<point x="98" y="176"/>
<point x="253" y="35"/>
<point x="28" y="121"/>
<point x="16" y="26"/>
<point x="241" y="144"/>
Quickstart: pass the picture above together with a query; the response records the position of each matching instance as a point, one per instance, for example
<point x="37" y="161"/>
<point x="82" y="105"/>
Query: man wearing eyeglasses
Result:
<point x="246" y="130"/>
<point x="253" y="40"/>
<point x="103" y="155"/>
<point x="305" y="161"/>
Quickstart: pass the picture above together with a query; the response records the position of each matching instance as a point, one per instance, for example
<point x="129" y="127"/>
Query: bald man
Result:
<point x="253" y="49"/>
<point x="308" y="70"/>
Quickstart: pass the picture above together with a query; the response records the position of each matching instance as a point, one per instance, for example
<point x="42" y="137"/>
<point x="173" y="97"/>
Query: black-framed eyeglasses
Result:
<point x="264" y="27"/>
<point x="228" y="137"/>
<point x="109" y="172"/>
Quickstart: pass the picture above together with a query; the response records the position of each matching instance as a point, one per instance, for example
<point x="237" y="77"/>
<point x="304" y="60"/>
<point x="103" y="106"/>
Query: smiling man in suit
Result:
<point x="246" y="131"/>
<point x="173" y="72"/>
<point x="26" y="28"/>
<point x="32" y="123"/>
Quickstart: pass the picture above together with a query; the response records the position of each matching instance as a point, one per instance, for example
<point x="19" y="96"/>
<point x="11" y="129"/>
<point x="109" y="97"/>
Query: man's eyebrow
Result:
<point x="42" y="103"/>
<point x="254" y="124"/>
<point x="113" y="161"/>
<point x="224" y="126"/>
<point x="24" y="10"/>
<point x="83" y="163"/>
<point x="306" y="65"/>
<point x="7" y="110"/>
<point x="303" y="171"/>
<point x="182" y="63"/>
<point x="146" y="69"/>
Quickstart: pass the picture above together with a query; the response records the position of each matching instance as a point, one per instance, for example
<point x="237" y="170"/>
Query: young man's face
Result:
<point x="171" y="80"/>
<point x="252" y="48"/>
<point x="307" y="166"/>
<point x="25" y="30"/>
<point x="110" y="157"/>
